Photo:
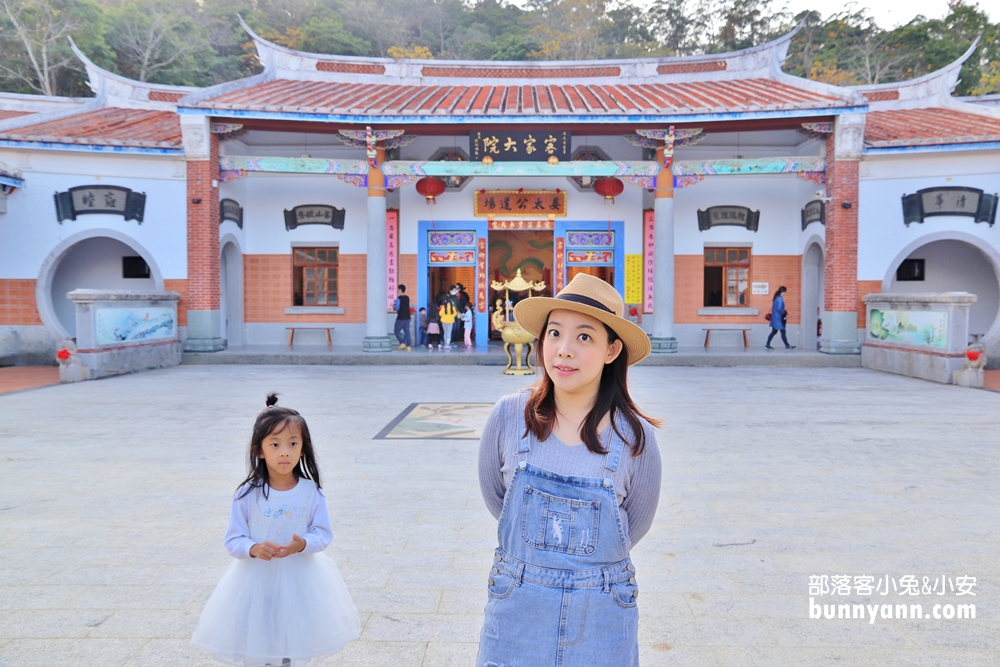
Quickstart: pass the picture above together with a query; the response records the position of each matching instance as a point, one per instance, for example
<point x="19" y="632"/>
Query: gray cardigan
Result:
<point x="637" y="481"/>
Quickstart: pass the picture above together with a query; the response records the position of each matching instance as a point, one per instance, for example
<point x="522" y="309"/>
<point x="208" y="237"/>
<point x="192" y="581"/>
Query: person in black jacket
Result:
<point x="402" y="326"/>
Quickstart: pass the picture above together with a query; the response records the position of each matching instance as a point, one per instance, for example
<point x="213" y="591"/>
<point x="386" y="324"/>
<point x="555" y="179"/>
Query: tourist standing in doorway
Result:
<point x="448" y="313"/>
<point x="422" y="327"/>
<point x="779" y="317"/>
<point x="571" y="470"/>
<point x="402" y="326"/>
<point x="433" y="329"/>
<point x="467" y="325"/>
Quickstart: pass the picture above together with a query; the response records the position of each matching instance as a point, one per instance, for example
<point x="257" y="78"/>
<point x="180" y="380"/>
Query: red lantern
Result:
<point x="609" y="188"/>
<point x="430" y="187"/>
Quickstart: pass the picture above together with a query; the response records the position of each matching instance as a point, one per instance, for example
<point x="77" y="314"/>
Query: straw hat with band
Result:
<point x="591" y="296"/>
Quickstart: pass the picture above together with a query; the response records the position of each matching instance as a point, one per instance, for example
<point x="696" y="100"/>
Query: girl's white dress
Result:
<point x="295" y="608"/>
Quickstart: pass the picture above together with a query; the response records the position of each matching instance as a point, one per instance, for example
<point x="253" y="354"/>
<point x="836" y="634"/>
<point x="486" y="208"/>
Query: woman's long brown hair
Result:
<point x="612" y="398"/>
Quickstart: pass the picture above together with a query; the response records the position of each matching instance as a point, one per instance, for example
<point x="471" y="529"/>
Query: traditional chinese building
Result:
<point x="696" y="186"/>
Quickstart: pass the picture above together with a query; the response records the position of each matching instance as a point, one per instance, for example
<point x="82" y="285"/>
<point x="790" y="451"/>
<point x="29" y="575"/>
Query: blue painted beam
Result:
<point x="546" y="119"/>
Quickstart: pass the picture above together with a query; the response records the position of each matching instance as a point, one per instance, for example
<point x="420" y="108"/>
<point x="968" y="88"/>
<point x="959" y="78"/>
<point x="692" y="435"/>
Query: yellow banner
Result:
<point x="633" y="279"/>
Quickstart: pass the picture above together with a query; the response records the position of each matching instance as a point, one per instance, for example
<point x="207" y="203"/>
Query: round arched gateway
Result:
<point x="952" y="265"/>
<point x="97" y="262"/>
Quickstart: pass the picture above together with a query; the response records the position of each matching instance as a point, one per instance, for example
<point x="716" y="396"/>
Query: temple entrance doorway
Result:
<point x="527" y="250"/>
<point x="605" y="273"/>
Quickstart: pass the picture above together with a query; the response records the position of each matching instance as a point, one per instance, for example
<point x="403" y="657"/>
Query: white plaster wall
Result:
<point x="779" y="198"/>
<point x="237" y="191"/>
<point x="955" y="266"/>
<point x="265" y="197"/>
<point x="92" y="264"/>
<point x="30" y="230"/>
<point x="881" y="232"/>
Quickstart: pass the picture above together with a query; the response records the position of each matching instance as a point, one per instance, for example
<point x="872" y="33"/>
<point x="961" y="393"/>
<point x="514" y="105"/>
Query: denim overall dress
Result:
<point x="562" y="590"/>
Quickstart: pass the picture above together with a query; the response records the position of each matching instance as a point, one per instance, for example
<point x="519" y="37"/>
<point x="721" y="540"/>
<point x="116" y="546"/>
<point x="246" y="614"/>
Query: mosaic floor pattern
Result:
<point x="434" y="421"/>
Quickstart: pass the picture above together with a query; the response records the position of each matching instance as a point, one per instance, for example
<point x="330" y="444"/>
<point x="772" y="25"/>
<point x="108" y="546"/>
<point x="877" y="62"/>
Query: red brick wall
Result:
<point x="267" y="289"/>
<point x="17" y="302"/>
<point x="776" y="270"/>
<point x="866" y="287"/>
<point x="408" y="275"/>
<point x="203" y="231"/>
<point x="841" y="256"/>
<point x="178" y="285"/>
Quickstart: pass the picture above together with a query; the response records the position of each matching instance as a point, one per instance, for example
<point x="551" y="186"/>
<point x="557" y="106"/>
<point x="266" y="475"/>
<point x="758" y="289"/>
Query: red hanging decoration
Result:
<point x="609" y="187"/>
<point x="430" y="187"/>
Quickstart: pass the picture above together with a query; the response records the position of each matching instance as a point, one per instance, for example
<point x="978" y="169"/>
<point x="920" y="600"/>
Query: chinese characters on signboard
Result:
<point x="229" y="209"/>
<point x="392" y="256"/>
<point x="633" y="279"/>
<point x="560" y="263"/>
<point x="112" y="199"/>
<point x="814" y="211"/>
<point x="931" y="202"/>
<point x="648" y="243"/>
<point x="736" y="216"/>
<point x="519" y="145"/>
<point x="547" y="225"/>
<point x="314" y="214"/>
<point x="481" y="276"/>
<point x="515" y="203"/>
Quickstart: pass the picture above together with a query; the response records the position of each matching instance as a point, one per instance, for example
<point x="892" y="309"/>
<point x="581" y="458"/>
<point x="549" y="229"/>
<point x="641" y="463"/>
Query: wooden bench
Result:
<point x="708" y="333"/>
<point x="292" y="330"/>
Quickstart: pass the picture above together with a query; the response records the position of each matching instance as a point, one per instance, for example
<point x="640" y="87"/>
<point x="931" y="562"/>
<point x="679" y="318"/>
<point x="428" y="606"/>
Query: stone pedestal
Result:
<point x="969" y="377"/>
<point x="920" y="335"/>
<point x="124" y="331"/>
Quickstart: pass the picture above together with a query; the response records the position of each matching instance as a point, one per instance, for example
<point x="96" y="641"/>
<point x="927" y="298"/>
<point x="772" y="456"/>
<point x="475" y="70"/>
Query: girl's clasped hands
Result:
<point x="268" y="550"/>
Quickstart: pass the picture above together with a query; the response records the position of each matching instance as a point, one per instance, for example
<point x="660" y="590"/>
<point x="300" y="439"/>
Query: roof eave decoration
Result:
<point x="931" y="90"/>
<point x="763" y="60"/>
<point x="118" y="91"/>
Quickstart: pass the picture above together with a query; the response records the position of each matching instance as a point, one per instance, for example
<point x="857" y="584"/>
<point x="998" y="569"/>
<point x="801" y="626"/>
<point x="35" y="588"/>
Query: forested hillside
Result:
<point x="199" y="43"/>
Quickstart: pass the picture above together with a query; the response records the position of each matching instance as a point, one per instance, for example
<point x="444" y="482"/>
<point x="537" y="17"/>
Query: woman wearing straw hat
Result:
<point x="571" y="470"/>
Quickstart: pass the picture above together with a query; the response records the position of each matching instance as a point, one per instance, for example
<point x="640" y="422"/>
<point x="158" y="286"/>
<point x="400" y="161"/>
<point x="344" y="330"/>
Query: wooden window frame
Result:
<point x="731" y="260"/>
<point x="302" y="262"/>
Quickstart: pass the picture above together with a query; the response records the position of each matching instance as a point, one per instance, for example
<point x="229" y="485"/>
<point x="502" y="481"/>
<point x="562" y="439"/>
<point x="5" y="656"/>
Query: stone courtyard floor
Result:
<point x="114" y="496"/>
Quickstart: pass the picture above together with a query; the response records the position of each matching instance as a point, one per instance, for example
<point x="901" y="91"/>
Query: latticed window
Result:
<point x="314" y="276"/>
<point x="727" y="277"/>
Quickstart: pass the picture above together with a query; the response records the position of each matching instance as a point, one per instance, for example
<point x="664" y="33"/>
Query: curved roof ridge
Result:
<point x="931" y="89"/>
<point x="129" y="93"/>
<point x="533" y="63"/>
<point x="763" y="60"/>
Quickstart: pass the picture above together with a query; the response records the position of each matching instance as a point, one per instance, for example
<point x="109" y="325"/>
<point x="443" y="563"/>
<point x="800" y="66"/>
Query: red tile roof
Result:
<point x="321" y="97"/>
<point x="5" y="114"/>
<point x="110" y="126"/>
<point x="919" y="127"/>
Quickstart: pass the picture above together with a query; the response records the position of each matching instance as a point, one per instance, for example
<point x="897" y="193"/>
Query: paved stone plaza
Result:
<point x="114" y="496"/>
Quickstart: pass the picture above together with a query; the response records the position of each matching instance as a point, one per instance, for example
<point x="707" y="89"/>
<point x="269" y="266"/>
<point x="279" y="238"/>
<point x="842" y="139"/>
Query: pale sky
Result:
<point x="887" y="13"/>
<point x="890" y="13"/>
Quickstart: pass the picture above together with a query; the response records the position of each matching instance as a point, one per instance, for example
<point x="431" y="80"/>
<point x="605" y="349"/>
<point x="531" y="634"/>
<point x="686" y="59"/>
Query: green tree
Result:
<point x="160" y="40"/>
<point x="35" y="55"/>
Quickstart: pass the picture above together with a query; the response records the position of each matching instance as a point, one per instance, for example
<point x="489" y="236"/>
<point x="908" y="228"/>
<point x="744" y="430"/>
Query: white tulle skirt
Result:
<point x="263" y="612"/>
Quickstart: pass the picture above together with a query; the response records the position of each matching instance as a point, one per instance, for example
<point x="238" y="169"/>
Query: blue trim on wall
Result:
<point x="617" y="226"/>
<point x="481" y="228"/>
<point x="933" y="148"/>
<point x="90" y="148"/>
<point x="552" y="119"/>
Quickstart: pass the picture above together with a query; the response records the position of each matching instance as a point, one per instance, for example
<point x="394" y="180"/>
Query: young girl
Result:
<point x="572" y="472"/>
<point x="433" y="329"/>
<point x="282" y="601"/>
<point x="467" y="322"/>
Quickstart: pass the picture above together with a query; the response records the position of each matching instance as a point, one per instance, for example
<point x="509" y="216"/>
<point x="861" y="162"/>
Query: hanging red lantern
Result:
<point x="430" y="187"/>
<point x="609" y="187"/>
